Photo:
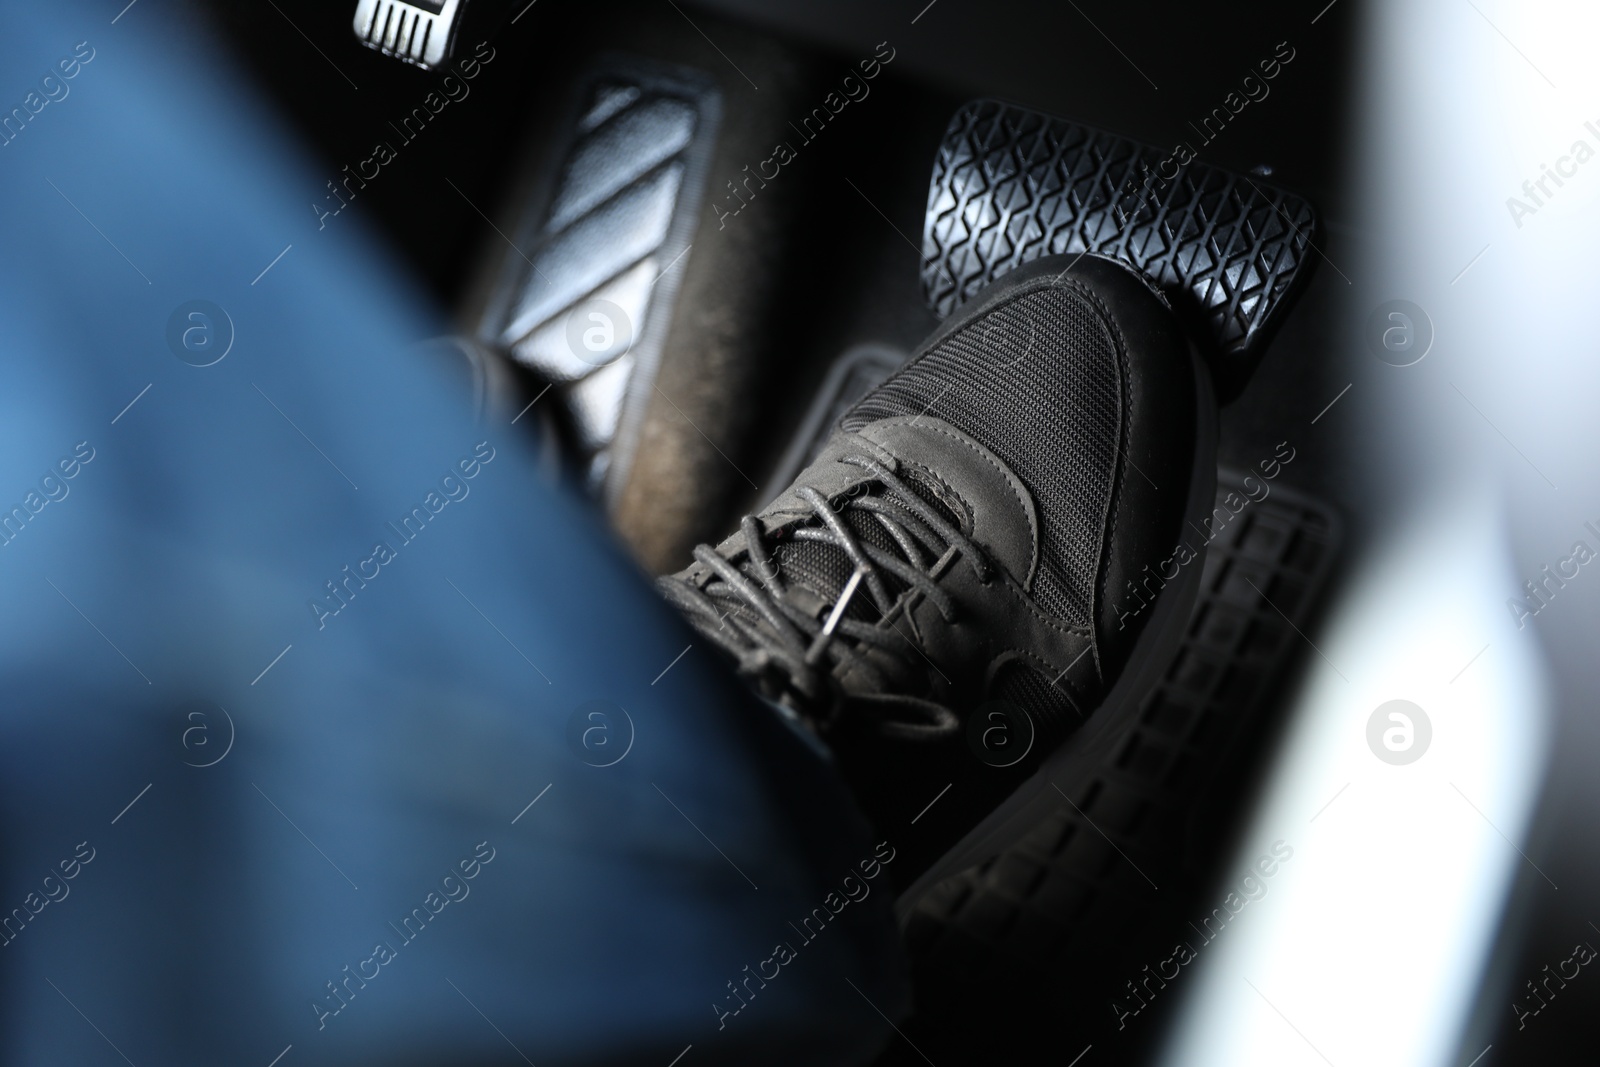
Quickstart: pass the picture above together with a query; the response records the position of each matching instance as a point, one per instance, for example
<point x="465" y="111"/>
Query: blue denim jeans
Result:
<point x="330" y="730"/>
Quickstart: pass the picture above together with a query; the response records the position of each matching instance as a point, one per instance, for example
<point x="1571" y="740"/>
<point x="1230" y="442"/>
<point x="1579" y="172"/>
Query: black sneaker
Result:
<point x="969" y="590"/>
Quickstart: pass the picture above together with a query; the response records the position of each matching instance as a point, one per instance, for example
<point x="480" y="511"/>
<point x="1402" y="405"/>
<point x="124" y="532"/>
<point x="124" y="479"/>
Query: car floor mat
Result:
<point x="1078" y="911"/>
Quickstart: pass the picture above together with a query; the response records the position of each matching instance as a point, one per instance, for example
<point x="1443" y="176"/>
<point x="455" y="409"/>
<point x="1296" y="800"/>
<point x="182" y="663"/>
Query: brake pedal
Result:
<point x="607" y="234"/>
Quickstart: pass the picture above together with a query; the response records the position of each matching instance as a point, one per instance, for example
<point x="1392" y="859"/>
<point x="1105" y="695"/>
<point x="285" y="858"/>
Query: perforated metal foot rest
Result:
<point x="1063" y="901"/>
<point x="1010" y="185"/>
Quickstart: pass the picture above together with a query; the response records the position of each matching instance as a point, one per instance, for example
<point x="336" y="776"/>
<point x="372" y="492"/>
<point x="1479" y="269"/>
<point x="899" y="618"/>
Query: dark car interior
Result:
<point x="762" y="205"/>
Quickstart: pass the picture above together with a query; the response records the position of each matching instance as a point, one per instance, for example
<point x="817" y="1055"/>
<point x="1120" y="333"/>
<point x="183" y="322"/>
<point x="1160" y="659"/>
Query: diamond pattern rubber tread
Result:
<point x="1010" y="185"/>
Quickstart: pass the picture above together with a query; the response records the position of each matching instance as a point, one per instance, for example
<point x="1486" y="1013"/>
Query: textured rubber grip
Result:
<point x="1073" y="905"/>
<point x="1010" y="185"/>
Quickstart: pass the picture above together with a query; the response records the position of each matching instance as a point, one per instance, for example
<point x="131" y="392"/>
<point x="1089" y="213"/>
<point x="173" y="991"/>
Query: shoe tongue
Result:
<point x="824" y="569"/>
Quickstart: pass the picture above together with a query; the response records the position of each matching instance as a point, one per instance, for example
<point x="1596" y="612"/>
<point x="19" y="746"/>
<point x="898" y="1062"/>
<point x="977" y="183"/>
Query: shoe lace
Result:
<point x="791" y="653"/>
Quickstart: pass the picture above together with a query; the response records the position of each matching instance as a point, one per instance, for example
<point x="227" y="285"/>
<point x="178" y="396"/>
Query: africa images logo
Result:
<point x="1251" y="888"/>
<point x="453" y="888"/>
<point x="408" y="529"/>
<point x="855" y="889"/>
<point x="852" y="89"/>
<point x="1566" y="167"/>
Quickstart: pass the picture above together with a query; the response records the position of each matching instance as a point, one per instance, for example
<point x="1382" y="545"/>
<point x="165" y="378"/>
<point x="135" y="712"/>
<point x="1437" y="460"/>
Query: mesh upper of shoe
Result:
<point x="824" y="568"/>
<point x="1038" y="380"/>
